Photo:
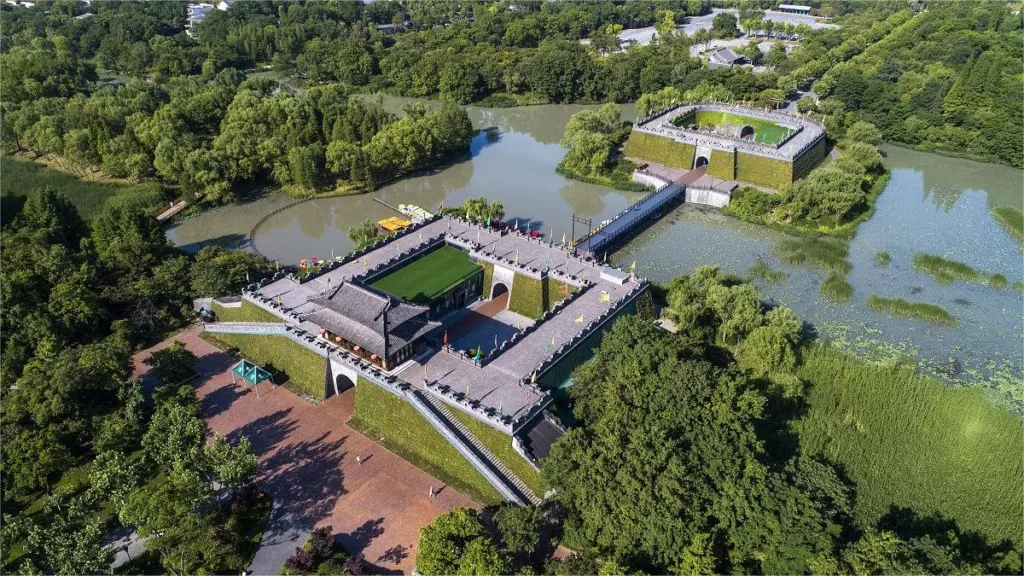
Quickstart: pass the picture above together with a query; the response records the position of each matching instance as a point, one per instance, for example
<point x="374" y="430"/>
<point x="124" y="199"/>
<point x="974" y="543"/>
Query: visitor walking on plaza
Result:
<point x="359" y="460"/>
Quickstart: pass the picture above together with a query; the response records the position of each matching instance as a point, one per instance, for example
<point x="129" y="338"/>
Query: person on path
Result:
<point x="431" y="491"/>
<point x="359" y="460"/>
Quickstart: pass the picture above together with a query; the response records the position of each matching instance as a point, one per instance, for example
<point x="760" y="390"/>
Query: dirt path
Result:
<point x="308" y="465"/>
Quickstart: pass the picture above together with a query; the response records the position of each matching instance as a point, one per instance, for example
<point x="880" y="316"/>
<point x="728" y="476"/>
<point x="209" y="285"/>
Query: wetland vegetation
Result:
<point x="919" y="310"/>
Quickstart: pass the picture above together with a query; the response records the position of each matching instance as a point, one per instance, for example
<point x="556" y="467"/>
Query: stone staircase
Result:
<point x="466" y="436"/>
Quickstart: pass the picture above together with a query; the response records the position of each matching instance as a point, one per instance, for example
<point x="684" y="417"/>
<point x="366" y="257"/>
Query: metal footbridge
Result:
<point x="598" y="240"/>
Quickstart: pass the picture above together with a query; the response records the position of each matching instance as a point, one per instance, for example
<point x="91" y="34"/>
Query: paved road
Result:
<point x="307" y="464"/>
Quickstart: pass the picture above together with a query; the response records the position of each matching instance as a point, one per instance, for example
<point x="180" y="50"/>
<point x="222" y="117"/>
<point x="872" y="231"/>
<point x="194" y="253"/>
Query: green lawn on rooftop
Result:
<point x="426" y="278"/>
<point x="765" y="131"/>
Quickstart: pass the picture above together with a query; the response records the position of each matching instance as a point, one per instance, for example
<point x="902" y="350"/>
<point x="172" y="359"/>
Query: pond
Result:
<point x="932" y="204"/>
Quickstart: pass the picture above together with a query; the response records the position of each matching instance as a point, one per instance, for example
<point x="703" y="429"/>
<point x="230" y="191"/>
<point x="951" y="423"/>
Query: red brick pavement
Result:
<point x="308" y="465"/>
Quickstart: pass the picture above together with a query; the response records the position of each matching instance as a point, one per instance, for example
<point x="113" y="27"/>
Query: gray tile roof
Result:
<point x="725" y="56"/>
<point x="376" y="321"/>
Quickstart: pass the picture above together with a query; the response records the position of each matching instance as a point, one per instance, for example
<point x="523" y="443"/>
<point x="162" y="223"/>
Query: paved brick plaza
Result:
<point x="307" y="464"/>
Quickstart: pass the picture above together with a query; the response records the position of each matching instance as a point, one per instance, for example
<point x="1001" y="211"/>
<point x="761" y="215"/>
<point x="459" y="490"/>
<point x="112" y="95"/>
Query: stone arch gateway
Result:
<point x="498" y="289"/>
<point x="339" y="378"/>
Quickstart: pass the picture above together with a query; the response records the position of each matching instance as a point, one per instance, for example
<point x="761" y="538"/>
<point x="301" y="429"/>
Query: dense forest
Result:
<point x="76" y="300"/>
<point x="949" y="80"/>
<point x="177" y="107"/>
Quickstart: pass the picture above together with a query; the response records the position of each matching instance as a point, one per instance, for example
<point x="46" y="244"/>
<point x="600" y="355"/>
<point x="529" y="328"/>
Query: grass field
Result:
<point x="765" y="131"/>
<point x="248" y="312"/>
<point x="428" y="277"/>
<point x="381" y="414"/>
<point x="500" y="445"/>
<point x="920" y="310"/>
<point x="295" y="367"/>
<point x="909" y="441"/>
<point x="20" y="178"/>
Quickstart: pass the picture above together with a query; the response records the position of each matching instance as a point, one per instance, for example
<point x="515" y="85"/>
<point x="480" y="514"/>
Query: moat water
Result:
<point x="932" y="204"/>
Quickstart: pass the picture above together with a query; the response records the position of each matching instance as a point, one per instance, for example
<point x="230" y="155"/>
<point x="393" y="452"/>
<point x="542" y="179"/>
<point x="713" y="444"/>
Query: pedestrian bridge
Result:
<point x="669" y="185"/>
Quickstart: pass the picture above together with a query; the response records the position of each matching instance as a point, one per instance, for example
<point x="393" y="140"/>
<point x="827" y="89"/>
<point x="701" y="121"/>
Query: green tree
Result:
<point x="235" y="466"/>
<point x="364" y="233"/>
<point x="70" y="541"/>
<point x="518" y="526"/>
<point x="175" y="438"/>
<point x="767" y="350"/>
<point x="630" y="488"/>
<point x="724" y="25"/>
<point x="112" y="477"/>
<point x="218" y="271"/>
<point x="865" y="132"/>
<point x="172" y="364"/>
<point x="32" y="457"/>
<point x="866" y="155"/>
<point x="457" y="543"/>
<point x="697" y="559"/>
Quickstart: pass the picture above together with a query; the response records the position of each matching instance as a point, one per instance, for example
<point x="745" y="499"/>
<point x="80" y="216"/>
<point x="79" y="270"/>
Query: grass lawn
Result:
<point x="20" y="178"/>
<point x="765" y="131"/>
<point x="248" y="312"/>
<point x="500" y="444"/>
<point x="428" y="277"/>
<point x="295" y="367"/>
<point x="380" y="413"/>
<point x="909" y="441"/>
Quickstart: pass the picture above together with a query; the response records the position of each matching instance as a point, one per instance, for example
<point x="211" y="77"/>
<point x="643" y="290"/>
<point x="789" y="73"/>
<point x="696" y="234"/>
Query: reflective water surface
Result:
<point x="932" y="204"/>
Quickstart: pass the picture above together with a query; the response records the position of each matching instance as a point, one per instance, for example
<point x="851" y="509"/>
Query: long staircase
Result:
<point x="466" y="436"/>
<point x="504" y="481"/>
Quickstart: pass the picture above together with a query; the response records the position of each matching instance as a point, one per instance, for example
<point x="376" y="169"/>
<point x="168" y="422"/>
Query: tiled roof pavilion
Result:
<point x="374" y="320"/>
<point x="500" y="383"/>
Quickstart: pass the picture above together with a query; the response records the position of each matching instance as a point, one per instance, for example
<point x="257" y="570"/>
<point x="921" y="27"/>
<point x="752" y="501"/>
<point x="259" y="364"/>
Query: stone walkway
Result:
<point x="308" y="465"/>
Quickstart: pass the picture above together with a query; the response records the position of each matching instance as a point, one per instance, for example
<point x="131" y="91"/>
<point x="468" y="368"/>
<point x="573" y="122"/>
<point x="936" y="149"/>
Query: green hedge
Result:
<point x="763" y="171"/>
<point x="554" y="292"/>
<point x="809" y="159"/>
<point x="528" y="294"/>
<point x="248" y="312"/>
<point x="488" y="275"/>
<point x="660" y="149"/>
<point x="397" y="426"/>
<point x="295" y="367"/>
<point x="722" y="164"/>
